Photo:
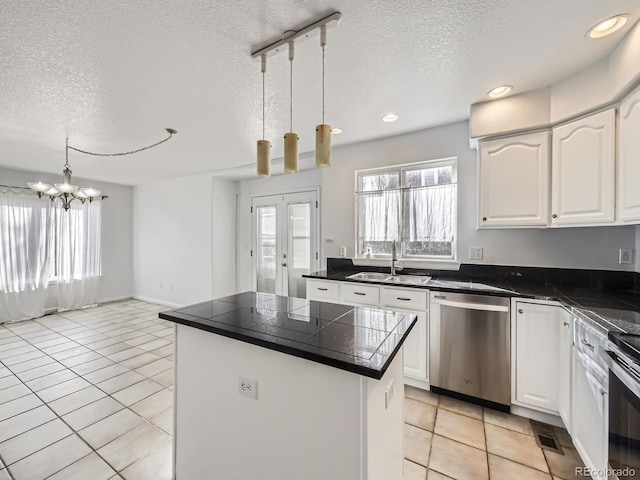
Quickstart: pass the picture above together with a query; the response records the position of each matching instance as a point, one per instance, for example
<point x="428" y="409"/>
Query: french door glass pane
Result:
<point x="299" y="242"/>
<point x="266" y="256"/>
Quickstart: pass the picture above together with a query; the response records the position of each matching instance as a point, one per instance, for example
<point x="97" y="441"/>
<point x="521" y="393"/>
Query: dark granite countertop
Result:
<point x="608" y="310"/>
<point x="356" y="339"/>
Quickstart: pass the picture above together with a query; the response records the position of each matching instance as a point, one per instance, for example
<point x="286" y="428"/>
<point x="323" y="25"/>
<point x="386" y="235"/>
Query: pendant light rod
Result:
<point x="264" y="70"/>
<point x="323" y="44"/>
<point x="300" y="35"/>
<point x="291" y="55"/>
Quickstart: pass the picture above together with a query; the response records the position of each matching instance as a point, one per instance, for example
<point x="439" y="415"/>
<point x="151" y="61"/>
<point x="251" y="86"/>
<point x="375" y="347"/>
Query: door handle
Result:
<point x="284" y="264"/>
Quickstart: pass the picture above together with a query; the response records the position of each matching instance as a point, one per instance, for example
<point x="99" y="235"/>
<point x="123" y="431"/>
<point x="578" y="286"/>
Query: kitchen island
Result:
<point x="280" y="388"/>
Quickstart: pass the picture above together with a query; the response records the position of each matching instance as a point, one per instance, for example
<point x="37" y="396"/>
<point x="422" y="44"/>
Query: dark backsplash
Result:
<point x="558" y="277"/>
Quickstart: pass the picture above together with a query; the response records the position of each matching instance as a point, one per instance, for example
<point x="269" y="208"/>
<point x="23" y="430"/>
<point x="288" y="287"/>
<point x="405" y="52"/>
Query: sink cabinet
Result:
<point x="410" y="300"/>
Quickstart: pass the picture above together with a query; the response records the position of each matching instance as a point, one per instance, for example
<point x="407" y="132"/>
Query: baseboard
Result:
<point x="155" y="300"/>
<point x="536" y="415"/>
<point x="114" y="299"/>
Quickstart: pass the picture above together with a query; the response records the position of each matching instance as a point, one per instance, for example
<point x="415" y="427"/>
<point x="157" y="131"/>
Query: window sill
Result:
<point x="434" y="264"/>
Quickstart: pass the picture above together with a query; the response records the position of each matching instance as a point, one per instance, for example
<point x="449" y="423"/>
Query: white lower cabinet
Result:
<point x="409" y="300"/>
<point x="537" y="329"/>
<point x="416" y="369"/>
<point x="589" y="415"/>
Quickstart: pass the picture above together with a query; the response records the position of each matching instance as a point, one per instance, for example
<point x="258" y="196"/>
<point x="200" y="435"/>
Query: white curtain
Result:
<point x="428" y="212"/>
<point x="78" y="260"/>
<point x="25" y="252"/>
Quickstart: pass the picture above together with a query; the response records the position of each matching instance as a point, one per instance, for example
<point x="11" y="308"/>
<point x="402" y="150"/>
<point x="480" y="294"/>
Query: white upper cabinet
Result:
<point x="629" y="159"/>
<point x="514" y="181"/>
<point x="583" y="171"/>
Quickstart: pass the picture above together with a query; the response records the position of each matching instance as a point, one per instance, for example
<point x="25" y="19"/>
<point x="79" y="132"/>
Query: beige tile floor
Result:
<point x="447" y="438"/>
<point x="87" y="395"/>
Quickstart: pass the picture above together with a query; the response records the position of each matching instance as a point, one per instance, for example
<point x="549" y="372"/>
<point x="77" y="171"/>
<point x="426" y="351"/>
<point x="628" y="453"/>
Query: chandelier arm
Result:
<point x="171" y="132"/>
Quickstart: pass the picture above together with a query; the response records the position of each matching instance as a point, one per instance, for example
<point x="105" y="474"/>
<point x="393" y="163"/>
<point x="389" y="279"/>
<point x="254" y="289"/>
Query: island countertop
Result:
<point x="356" y="339"/>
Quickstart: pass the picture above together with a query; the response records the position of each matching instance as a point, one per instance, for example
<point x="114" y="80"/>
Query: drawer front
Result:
<point x="326" y="290"/>
<point x="358" y="293"/>
<point x="407" y="298"/>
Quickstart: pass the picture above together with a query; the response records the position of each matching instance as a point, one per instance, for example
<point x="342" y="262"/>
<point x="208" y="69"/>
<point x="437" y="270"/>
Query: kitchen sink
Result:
<point x="371" y="276"/>
<point x="386" y="278"/>
<point x="410" y="279"/>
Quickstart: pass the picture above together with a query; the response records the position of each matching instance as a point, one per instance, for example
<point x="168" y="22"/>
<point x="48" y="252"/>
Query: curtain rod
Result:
<point x="28" y="190"/>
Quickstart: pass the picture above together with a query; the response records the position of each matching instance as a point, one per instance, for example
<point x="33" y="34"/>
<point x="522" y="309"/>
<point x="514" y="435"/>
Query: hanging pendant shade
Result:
<point x="323" y="131"/>
<point x="290" y="152"/>
<point x="264" y="161"/>
<point x="291" y="139"/>
<point x="323" y="146"/>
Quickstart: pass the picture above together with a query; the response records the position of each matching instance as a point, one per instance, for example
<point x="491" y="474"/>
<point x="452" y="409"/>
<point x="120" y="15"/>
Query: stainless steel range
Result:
<point x="623" y="360"/>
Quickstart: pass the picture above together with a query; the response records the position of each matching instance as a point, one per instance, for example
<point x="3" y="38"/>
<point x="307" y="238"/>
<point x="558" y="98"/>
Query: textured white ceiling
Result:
<point x="111" y="75"/>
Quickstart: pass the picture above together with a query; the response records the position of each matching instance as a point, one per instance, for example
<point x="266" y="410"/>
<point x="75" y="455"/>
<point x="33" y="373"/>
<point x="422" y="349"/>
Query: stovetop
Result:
<point x="627" y="342"/>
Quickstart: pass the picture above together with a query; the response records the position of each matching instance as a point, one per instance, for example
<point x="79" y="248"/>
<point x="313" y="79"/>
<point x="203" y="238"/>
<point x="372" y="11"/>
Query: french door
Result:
<point x="285" y="242"/>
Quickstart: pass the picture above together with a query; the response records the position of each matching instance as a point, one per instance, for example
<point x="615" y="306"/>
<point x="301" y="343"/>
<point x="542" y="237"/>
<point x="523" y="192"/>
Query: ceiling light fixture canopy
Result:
<point x="608" y="26"/>
<point x="66" y="191"/>
<point x="390" y="117"/>
<point x="323" y="131"/>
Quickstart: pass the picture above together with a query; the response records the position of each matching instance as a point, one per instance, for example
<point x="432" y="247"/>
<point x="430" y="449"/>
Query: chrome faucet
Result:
<point x="394" y="258"/>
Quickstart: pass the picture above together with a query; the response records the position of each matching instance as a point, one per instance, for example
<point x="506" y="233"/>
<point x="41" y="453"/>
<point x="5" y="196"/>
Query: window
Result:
<point x="414" y="204"/>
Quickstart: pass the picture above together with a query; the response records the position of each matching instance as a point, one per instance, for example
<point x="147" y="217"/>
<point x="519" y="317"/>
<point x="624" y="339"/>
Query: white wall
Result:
<point x="259" y="187"/>
<point x="592" y="247"/>
<point x="184" y="239"/>
<point x="117" y="236"/>
<point x="637" y="251"/>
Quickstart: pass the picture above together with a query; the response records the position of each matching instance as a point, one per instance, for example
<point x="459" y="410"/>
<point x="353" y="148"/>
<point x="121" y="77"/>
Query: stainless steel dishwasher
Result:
<point x="469" y="348"/>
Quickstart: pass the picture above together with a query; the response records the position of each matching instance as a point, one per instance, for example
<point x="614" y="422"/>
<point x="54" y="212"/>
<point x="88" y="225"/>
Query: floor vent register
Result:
<point x="546" y="437"/>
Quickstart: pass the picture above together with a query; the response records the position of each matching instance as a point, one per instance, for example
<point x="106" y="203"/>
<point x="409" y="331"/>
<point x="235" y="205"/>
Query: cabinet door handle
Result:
<point x="566" y="324"/>
<point x="520" y="311"/>
<point x="323" y="289"/>
<point x="359" y="293"/>
<point x="484" y="219"/>
<point x="587" y="344"/>
<point x="554" y="216"/>
<point x="440" y="296"/>
<point x="404" y="299"/>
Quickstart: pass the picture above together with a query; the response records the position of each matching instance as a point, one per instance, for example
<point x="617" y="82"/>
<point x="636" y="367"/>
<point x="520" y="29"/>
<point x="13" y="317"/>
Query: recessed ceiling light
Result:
<point x="608" y="26"/>
<point x="500" y="91"/>
<point x="390" y="117"/>
<point x="336" y="131"/>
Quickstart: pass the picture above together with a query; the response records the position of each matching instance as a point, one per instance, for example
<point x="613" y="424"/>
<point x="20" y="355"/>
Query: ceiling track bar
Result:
<point x="298" y="36"/>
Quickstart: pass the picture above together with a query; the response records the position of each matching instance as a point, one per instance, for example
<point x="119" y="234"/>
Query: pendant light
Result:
<point x="291" y="139"/>
<point x="323" y="132"/>
<point x="264" y="146"/>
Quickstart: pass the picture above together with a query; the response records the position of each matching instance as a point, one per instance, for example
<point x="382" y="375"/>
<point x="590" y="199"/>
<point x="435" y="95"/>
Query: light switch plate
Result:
<point x="475" y="253"/>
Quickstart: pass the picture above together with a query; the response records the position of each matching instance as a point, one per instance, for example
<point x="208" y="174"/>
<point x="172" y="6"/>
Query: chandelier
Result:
<point x="66" y="192"/>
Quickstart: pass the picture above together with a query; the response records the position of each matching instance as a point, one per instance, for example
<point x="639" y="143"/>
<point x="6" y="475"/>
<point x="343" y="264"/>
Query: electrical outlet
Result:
<point x="475" y="253"/>
<point x="388" y="395"/>
<point x="626" y="255"/>
<point x="248" y="387"/>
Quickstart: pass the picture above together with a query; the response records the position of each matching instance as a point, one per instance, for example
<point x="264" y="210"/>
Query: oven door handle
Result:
<point x="622" y="371"/>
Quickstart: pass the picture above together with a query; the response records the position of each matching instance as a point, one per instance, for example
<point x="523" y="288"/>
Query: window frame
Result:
<point x="401" y="169"/>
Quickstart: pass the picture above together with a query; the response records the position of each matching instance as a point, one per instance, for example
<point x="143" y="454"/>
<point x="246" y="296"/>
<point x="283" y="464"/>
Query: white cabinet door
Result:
<point x="413" y="301"/>
<point x="513" y="184"/>
<point x="536" y="370"/>
<point x="629" y="159"/>
<point x="589" y="408"/>
<point x="583" y="171"/>
<point x="564" y="368"/>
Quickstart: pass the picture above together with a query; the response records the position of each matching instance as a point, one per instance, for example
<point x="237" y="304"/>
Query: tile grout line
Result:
<point x="7" y="467"/>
